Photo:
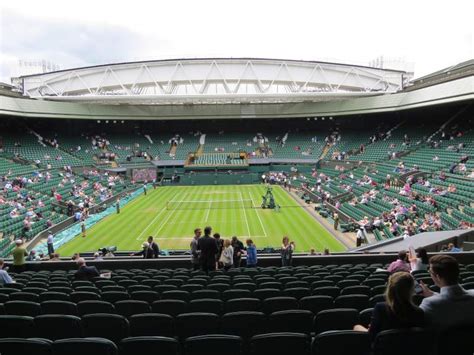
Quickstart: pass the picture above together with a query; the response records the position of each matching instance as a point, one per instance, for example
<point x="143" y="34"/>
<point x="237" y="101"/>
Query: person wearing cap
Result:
<point x="50" y="244"/>
<point x="19" y="254"/>
<point x="147" y="252"/>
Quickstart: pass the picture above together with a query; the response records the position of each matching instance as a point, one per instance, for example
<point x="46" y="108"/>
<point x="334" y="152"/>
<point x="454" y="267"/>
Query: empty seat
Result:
<point x="16" y="326"/>
<point x="315" y="304"/>
<point x="57" y="326"/>
<point x="24" y="296"/>
<point x="78" y="296"/>
<point x="297" y="292"/>
<point x="151" y="324"/>
<point x="192" y="324"/>
<point x="244" y="324"/>
<point x="298" y="321"/>
<point x="81" y="346"/>
<point x="233" y="294"/>
<point x="358" y="302"/>
<point x="109" y="326"/>
<point x="365" y="317"/>
<point x="280" y="344"/>
<point x="412" y="341"/>
<point x="264" y="293"/>
<point x="147" y="296"/>
<point x="91" y="307"/>
<point x="17" y="346"/>
<point x="356" y="290"/>
<point x="149" y="345"/>
<point x="195" y="295"/>
<point x="170" y="307"/>
<point x="128" y="308"/>
<point x="332" y="291"/>
<point x="242" y="304"/>
<point x="206" y="306"/>
<point x="275" y="304"/>
<point x="213" y="344"/>
<point x="114" y="296"/>
<point x="335" y="319"/>
<point x="54" y="296"/>
<point x="23" y="308"/>
<point x="175" y="295"/>
<point x="59" y="307"/>
<point x="341" y="342"/>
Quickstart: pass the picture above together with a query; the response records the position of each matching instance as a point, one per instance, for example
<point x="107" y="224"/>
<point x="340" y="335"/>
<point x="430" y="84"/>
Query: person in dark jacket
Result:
<point x="238" y="250"/>
<point x="398" y="310"/>
<point x="147" y="252"/>
<point x="208" y="247"/>
<point x="85" y="273"/>
<point x="154" y="246"/>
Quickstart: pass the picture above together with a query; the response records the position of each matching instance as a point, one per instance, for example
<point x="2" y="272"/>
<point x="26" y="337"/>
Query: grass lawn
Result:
<point x="171" y="221"/>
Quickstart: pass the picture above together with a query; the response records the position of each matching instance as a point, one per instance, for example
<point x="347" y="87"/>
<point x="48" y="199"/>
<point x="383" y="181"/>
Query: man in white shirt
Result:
<point x="50" y="243"/>
<point x="453" y="306"/>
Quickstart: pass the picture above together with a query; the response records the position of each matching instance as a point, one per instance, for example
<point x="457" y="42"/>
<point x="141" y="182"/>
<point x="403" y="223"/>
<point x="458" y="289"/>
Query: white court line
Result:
<point x="208" y="210"/>
<point x="258" y="215"/>
<point x="167" y="219"/>
<point x="245" y="213"/>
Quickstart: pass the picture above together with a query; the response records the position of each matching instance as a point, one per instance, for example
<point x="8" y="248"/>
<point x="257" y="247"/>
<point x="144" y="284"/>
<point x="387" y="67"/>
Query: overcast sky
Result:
<point x="430" y="34"/>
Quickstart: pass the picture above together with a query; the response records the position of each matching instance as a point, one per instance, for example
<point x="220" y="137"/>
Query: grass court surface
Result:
<point x="168" y="215"/>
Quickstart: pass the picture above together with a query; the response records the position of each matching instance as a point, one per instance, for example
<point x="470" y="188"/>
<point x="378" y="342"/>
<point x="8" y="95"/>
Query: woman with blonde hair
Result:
<point x="287" y="249"/>
<point x="398" y="310"/>
<point x="227" y="256"/>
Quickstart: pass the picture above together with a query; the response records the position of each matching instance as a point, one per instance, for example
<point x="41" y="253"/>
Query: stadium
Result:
<point x="329" y="183"/>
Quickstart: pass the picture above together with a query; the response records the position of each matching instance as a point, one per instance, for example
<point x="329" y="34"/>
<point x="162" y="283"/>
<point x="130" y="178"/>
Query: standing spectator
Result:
<point x="251" y="253"/>
<point x="453" y="306"/>
<point x="398" y="310"/>
<point x="220" y="247"/>
<point x="194" y="249"/>
<point x="83" y="229"/>
<point x="5" y="279"/>
<point x="144" y="188"/>
<point x="50" y="244"/>
<point x="85" y="273"/>
<point x="154" y="247"/>
<point x="208" y="247"/>
<point x="420" y="261"/>
<point x="336" y="220"/>
<point x="117" y="205"/>
<point x="19" y="254"/>
<point x="227" y="257"/>
<point x="287" y="249"/>
<point x="401" y="264"/>
<point x="238" y="248"/>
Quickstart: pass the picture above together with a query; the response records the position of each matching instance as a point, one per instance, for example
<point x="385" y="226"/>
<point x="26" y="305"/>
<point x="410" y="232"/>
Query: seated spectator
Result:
<point x="398" y="310"/>
<point x="420" y="261"/>
<point x="5" y="279"/>
<point x="85" y="273"/>
<point x="401" y="264"/>
<point x="453" y="249"/>
<point x="453" y="306"/>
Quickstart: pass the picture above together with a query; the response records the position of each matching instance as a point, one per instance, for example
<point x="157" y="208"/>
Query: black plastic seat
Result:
<point x="335" y="319"/>
<point x="413" y="341"/>
<point x="54" y="296"/>
<point x="176" y="295"/>
<point x="280" y="344"/>
<point x="114" y="296"/>
<point x="297" y="321"/>
<point x="170" y="307"/>
<point x="233" y="294"/>
<point x="244" y="324"/>
<point x="200" y="294"/>
<point x="91" y="307"/>
<point x="59" y="307"/>
<point x="149" y="345"/>
<point x="208" y="305"/>
<point x="341" y="342"/>
<point x="128" y="308"/>
<point x="151" y="324"/>
<point x="213" y="344"/>
<point x="356" y="290"/>
<point x="13" y="326"/>
<point x="17" y="346"/>
<point x="242" y="304"/>
<point x="332" y="291"/>
<point x="193" y="324"/>
<point x="147" y="296"/>
<point x="81" y="346"/>
<point x="57" y="326"/>
<point x="358" y="302"/>
<point x="109" y="326"/>
<point x="297" y="292"/>
<point x="462" y="337"/>
<point x="264" y="293"/>
<point x="315" y="304"/>
<point x="22" y="308"/>
<point x="78" y="296"/>
<point x="25" y="296"/>
<point x="275" y="304"/>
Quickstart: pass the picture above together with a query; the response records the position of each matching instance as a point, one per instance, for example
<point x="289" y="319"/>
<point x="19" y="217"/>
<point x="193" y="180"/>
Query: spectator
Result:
<point x="98" y="256"/>
<point x="453" y="306"/>
<point x="54" y="257"/>
<point x="336" y="220"/>
<point x="19" y="254"/>
<point x="194" y="249"/>
<point x="85" y="273"/>
<point x="32" y="256"/>
<point x="453" y="249"/>
<point x="208" y="247"/>
<point x="220" y="247"/>
<point x="5" y="279"/>
<point x="227" y="256"/>
<point x="238" y="248"/>
<point x="420" y="261"/>
<point x="251" y="253"/>
<point x="398" y="310"/>
<point x="50" y="244"/>
<point x="287" y="249"/>
<point x="401" y="264"/>
<point x="146" y="251"/>
<point x="154" y="247"/>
